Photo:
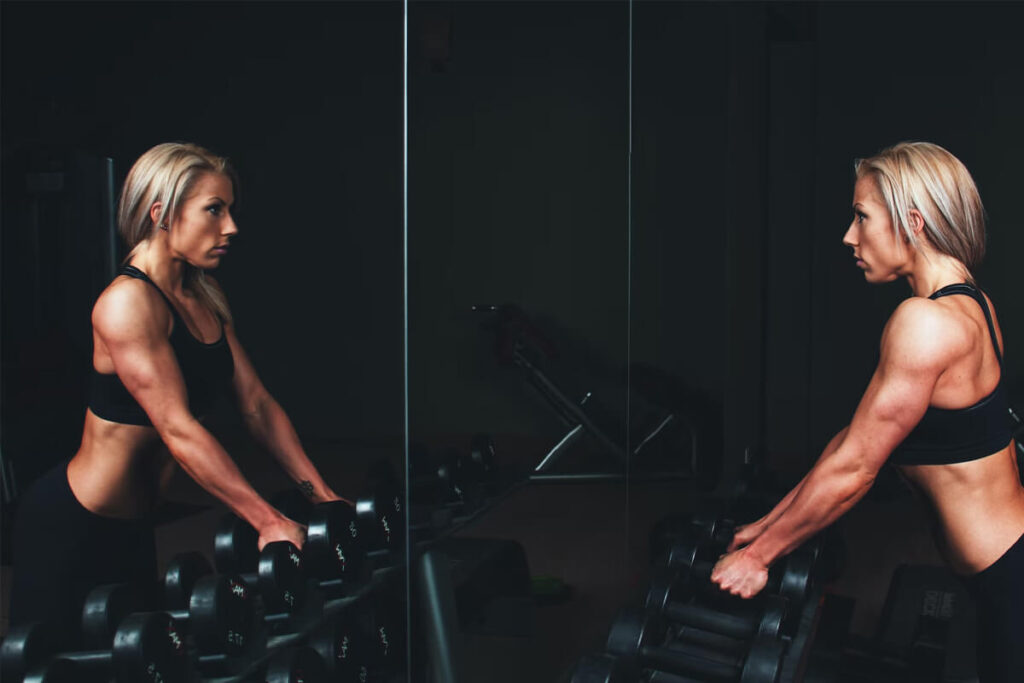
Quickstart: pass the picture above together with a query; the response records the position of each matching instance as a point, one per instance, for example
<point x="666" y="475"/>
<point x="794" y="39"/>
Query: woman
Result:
<point x="164" y="350"/>
<point x="935" y="406"/>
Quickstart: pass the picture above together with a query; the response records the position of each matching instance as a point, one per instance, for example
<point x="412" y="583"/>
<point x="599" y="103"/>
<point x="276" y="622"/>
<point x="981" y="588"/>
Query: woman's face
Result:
<point x="879" y="252"/>
<point x="203" y="224"/>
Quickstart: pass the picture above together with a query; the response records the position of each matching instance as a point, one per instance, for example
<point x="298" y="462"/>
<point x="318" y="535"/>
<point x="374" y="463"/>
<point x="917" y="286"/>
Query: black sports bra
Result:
<point x="946" y="436"/>
<point x="206" y="368"/>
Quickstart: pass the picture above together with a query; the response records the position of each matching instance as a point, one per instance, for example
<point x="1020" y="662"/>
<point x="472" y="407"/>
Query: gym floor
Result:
<point x="594" y="538"/>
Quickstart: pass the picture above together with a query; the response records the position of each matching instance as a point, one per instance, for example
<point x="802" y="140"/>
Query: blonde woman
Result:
<point x="935" y="407"/>
<point x="165" y="350"/>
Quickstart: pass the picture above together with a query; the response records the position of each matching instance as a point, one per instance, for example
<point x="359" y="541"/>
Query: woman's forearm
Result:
<point x="206" y="461"/>
<point x="828" y="491"/>
<point x="787" y="500"/>
<point x="270" y="425"/>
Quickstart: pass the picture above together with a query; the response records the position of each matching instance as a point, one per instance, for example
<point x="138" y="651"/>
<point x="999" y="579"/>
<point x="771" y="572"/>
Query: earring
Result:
<point x="163" y="226"/>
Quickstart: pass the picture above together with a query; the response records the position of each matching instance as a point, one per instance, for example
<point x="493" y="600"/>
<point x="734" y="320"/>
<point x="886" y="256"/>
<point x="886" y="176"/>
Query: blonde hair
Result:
<point x="926" y="177"/>
<point x="166" y="174"/>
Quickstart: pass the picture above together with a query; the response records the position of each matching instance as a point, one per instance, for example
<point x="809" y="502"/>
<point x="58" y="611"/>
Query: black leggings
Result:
<point x="999" y="593"/>
<point x="62" y="551"/>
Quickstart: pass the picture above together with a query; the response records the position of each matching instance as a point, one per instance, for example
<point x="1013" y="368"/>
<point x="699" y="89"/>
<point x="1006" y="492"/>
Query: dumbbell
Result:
<point x="147" y="647"/>
<point x="382" y="516"/>
<point x="361" y="645"/>
<point x="277" y="572"/>
<point x="791" y="578"/>
<point x="639" y="638"/>
<point x="294" y="665"/>
<point x="218" y="613"/>
<point x="335" y="549"/>
<point x="605" y="668"/>
<point x="670" y="596"/>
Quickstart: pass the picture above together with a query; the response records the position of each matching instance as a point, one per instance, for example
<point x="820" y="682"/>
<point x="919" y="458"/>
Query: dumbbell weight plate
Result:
<point x="27" y="646"/>
<point x="222" y="614"/>
<point x="148" y="647"/>
<point x="183" y="571"/>
<point x="281" y="578"/>
<point x="235" y="546"/>
<point x="296" y="665"/>
<point x="104" y="609"/>
<point x="383" y="518"/>
<point x="764" y="661"/>
<point x="335" y="549"/>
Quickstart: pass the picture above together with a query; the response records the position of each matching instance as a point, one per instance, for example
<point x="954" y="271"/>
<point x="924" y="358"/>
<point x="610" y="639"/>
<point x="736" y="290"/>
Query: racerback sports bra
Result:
<point x="947" y="436"/>
<point x="206" y="368"/>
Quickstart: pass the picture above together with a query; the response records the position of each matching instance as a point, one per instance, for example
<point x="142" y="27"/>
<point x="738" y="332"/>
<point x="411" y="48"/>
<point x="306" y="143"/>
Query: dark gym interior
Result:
<point x="536" y="228"/>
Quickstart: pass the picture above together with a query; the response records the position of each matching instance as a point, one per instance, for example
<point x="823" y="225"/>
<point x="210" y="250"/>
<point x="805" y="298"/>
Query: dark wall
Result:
<point x="517" y="194"/>
<point x="740" y="282"/>
<point x="306" y="100"/>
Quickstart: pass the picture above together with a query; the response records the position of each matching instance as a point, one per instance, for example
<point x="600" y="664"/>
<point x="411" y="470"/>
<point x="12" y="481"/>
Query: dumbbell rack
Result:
<point x="315" y="613"/>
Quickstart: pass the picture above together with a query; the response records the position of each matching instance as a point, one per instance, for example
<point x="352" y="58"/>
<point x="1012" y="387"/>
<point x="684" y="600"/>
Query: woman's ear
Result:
<point x="155" y="212"/>
<point x="916" y="221"/>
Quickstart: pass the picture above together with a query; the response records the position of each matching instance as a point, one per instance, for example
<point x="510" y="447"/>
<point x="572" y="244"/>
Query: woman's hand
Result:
<point x="745" y="534"/>
<point x="740" y="573"/>
<point x="282" y="529"/>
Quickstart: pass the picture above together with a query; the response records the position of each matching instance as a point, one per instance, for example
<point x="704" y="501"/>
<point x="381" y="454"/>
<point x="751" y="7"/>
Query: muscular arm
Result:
<point x="131" y="324"/>
<point x="269" y="425"/>
<point x="745" y="534"/>
<point x="917" y="345"/>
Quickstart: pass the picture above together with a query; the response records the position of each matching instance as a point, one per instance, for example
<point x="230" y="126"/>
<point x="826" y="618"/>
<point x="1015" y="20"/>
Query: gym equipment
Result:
<point x="218" y="614"/>
<point x="147" y="646"/>
<point x="276" y="573"/>
<point x="671" y="599"/>
<point x="520" y="342"/>
<point x="335" y="549"/>
<point x="607" y="669"/>
<point x="106" y="606"/>
<point x="382" y="518"/>
<point x="639" y="638"/>
<point x="791" y="578"/>
<point x="295" y="665"/>
<point x="359" y="646"/>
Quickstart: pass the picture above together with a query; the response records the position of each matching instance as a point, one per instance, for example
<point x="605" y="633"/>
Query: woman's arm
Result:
<point x="918" y="344"/>
<point x="747" y="533"/>
<point x="131" y="324"/>
<point x="269" y="425"/>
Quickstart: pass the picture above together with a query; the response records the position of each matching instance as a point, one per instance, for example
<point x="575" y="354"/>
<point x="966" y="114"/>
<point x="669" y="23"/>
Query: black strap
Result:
<point x="132" y="271"/>
<point x="974" y="293"/>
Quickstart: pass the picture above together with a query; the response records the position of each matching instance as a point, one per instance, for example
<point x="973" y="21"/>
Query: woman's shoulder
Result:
<point x="926" y="330"/>
<point x="127" y="304"/>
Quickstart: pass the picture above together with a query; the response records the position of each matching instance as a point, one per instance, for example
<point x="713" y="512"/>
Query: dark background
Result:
<point x="711" y="253"/>
<point x="305" y="99"/>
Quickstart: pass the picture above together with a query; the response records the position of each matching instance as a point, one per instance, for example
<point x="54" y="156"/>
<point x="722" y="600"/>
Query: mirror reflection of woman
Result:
<point x="165" y="350"/>
<point x="935" y="406"/>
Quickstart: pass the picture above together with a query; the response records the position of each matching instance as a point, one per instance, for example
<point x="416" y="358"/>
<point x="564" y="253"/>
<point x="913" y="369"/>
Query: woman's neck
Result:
<point x="155" y="260"/>
<point x="933" y="270"/>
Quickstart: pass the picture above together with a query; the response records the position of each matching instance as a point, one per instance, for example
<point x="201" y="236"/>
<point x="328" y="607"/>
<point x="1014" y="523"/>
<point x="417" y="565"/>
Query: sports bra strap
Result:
<point x="132" y="271"/>
<point x="974" y="293"/>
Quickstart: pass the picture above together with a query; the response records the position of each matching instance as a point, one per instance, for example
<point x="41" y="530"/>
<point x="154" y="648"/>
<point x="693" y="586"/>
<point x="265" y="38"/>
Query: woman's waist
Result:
<point x="978" y="526"/>
<point x="112" y="478"/>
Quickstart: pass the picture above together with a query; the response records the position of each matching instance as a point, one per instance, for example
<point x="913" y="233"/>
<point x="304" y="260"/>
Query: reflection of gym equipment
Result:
<point x="519" y="342"/>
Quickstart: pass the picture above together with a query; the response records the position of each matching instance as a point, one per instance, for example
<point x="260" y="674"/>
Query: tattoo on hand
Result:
<point x="306" y="487"/>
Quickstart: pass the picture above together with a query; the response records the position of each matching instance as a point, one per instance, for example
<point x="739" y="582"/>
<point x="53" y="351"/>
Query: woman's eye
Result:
<point x="860" y="217"/>
<point x="215" y="209"/>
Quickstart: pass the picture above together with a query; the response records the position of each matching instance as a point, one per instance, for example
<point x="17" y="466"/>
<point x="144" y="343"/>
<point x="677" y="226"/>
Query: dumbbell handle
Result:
<point x="710" y="639"/>
<point x="731" y="625"/>
<point x="686" y="659"/>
